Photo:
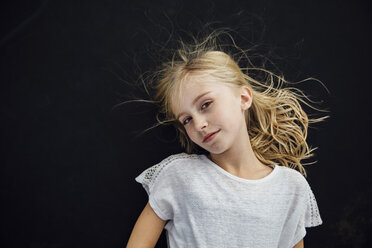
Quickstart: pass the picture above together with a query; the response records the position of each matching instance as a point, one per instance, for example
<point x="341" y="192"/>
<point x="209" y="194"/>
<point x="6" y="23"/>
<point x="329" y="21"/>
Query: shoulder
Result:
<point x="303" y="195"/>
<point x="179" y="158"/>
<point x="168" y="167"/>
<point x="294" y="178"/>
<point x="178" y="163"/>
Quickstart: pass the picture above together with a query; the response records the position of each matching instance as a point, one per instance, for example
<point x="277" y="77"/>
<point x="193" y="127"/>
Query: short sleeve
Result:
<point x="157" y="181"/>
<point x="310" y="216"/>
<point x="148" y="177"/>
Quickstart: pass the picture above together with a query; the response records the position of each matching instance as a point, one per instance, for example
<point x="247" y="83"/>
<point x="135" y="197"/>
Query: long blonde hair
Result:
<point x="277" y="124"/>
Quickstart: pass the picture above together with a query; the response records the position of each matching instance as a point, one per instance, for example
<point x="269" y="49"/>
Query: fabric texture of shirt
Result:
<point x="206" y="206"/>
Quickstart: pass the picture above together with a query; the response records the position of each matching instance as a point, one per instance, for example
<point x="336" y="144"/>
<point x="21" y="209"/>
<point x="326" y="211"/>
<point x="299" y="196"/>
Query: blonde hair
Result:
<point x="276" y="123"/>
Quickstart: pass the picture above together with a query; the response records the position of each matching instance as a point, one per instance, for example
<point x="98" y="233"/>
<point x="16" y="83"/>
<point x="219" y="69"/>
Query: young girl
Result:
<point x="244" y="191"/>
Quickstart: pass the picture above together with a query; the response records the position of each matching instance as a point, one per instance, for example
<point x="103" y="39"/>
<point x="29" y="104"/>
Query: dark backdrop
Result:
<point x="68" y="162"/>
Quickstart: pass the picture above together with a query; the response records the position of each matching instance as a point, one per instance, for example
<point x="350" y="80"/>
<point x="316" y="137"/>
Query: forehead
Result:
<point x="194" y="85"/>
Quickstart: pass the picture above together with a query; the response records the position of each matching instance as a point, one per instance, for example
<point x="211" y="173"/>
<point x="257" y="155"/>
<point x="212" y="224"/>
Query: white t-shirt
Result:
<point x="206" y="206"/>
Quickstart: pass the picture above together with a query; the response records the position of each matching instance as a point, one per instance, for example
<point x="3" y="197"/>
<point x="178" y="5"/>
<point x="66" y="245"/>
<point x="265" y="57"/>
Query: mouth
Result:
<point x="209" y="136"/>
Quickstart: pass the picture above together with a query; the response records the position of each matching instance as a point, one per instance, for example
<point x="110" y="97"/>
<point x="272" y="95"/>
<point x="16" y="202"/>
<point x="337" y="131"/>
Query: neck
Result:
<point x="240" y="158"/>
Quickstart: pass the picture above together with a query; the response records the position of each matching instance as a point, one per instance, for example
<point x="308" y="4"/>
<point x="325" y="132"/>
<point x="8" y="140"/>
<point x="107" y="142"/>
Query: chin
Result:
<point x="216" y="150"/>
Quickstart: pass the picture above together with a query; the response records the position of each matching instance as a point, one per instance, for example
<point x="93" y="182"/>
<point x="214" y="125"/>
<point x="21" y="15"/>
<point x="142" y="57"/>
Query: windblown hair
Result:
<point x="277" y="124"/>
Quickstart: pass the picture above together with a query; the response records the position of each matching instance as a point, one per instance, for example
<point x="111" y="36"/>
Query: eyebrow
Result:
<point x="194" y="101"/>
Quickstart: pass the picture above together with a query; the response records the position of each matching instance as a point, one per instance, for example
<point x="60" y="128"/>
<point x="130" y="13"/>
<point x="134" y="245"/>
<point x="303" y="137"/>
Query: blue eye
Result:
<point x="205" y="105"/>
<point x="187" y="120"/>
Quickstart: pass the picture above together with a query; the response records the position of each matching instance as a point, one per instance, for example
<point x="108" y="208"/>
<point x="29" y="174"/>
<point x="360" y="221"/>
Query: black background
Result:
<point x="68" y="162"/>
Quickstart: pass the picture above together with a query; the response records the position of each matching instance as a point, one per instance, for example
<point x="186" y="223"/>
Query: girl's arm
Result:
<point x="299" y="244"/>
<point x="147" y="229"/>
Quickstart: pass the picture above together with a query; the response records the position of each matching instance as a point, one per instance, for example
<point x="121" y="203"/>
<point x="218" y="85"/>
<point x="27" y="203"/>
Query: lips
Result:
<point x="210" y="136"/>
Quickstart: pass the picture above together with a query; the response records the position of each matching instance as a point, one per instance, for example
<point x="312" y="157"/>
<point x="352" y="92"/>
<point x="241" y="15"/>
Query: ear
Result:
<point x="246" y="98"/>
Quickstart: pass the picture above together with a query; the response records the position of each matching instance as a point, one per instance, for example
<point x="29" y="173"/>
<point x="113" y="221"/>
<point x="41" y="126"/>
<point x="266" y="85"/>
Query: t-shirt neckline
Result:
<point x="264" y="179"/>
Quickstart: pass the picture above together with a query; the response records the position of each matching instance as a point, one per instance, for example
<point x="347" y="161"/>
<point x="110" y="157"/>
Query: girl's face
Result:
<point x="212" y="112"/>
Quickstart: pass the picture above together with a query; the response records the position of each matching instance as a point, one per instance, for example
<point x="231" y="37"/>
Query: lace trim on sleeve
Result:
<point x="148" y="177"/>
<point x="313" y="215"/>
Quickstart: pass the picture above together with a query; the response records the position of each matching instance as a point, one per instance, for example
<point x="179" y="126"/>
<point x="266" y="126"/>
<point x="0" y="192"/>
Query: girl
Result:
<point x="244" y="190"/>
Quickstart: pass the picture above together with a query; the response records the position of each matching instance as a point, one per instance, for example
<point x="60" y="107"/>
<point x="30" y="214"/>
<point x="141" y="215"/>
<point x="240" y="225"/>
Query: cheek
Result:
<point x="222" y="116"/>
<point x="229" y="117"/>
<point x="219" y="120"/>
<point x="191" y="134"/>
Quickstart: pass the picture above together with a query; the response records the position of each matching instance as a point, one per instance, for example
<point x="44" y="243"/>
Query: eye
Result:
<point x="205" y="105"/>
<point x="187" y="120"/>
